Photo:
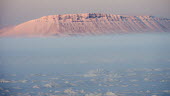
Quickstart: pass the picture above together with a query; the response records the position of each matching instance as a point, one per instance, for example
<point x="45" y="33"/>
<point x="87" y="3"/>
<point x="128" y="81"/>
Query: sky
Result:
<point x="13" y="12"/>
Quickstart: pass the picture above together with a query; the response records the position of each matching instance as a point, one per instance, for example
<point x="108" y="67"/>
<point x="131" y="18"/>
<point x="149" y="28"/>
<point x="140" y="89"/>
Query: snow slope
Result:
<point x="88" y="24"/>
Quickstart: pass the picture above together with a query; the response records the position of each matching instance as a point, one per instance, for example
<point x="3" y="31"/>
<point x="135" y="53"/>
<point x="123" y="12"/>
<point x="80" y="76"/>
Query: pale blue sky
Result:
<point x="13" y="12"/>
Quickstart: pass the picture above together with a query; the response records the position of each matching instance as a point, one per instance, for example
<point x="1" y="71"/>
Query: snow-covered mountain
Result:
<point x="87" y="24"/>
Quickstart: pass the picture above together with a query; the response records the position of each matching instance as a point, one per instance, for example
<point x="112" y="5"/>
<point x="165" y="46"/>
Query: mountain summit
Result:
<point x="87" y="24"/>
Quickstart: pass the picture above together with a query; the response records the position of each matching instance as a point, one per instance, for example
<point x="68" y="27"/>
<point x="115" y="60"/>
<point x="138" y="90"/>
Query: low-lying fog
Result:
<point x="115" y="65"/>
<point x="75" y="54"/>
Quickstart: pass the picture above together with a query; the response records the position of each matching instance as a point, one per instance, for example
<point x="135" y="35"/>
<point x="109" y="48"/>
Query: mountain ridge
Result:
<point x="88" y="24"/>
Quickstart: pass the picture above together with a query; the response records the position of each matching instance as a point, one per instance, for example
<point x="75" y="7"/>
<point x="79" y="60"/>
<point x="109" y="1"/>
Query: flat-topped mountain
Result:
<point x="87" y="24"/>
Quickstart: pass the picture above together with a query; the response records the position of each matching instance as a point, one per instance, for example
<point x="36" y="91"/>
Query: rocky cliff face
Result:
<point x="88" y="24"/>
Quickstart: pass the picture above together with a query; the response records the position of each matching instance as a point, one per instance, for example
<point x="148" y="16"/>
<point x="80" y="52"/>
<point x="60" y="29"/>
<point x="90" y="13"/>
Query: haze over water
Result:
<point x="93" y="60"/>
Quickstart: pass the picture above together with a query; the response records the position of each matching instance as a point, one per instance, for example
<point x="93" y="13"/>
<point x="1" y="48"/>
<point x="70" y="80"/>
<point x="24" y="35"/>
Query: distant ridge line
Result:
<point x="87" y="24"/>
